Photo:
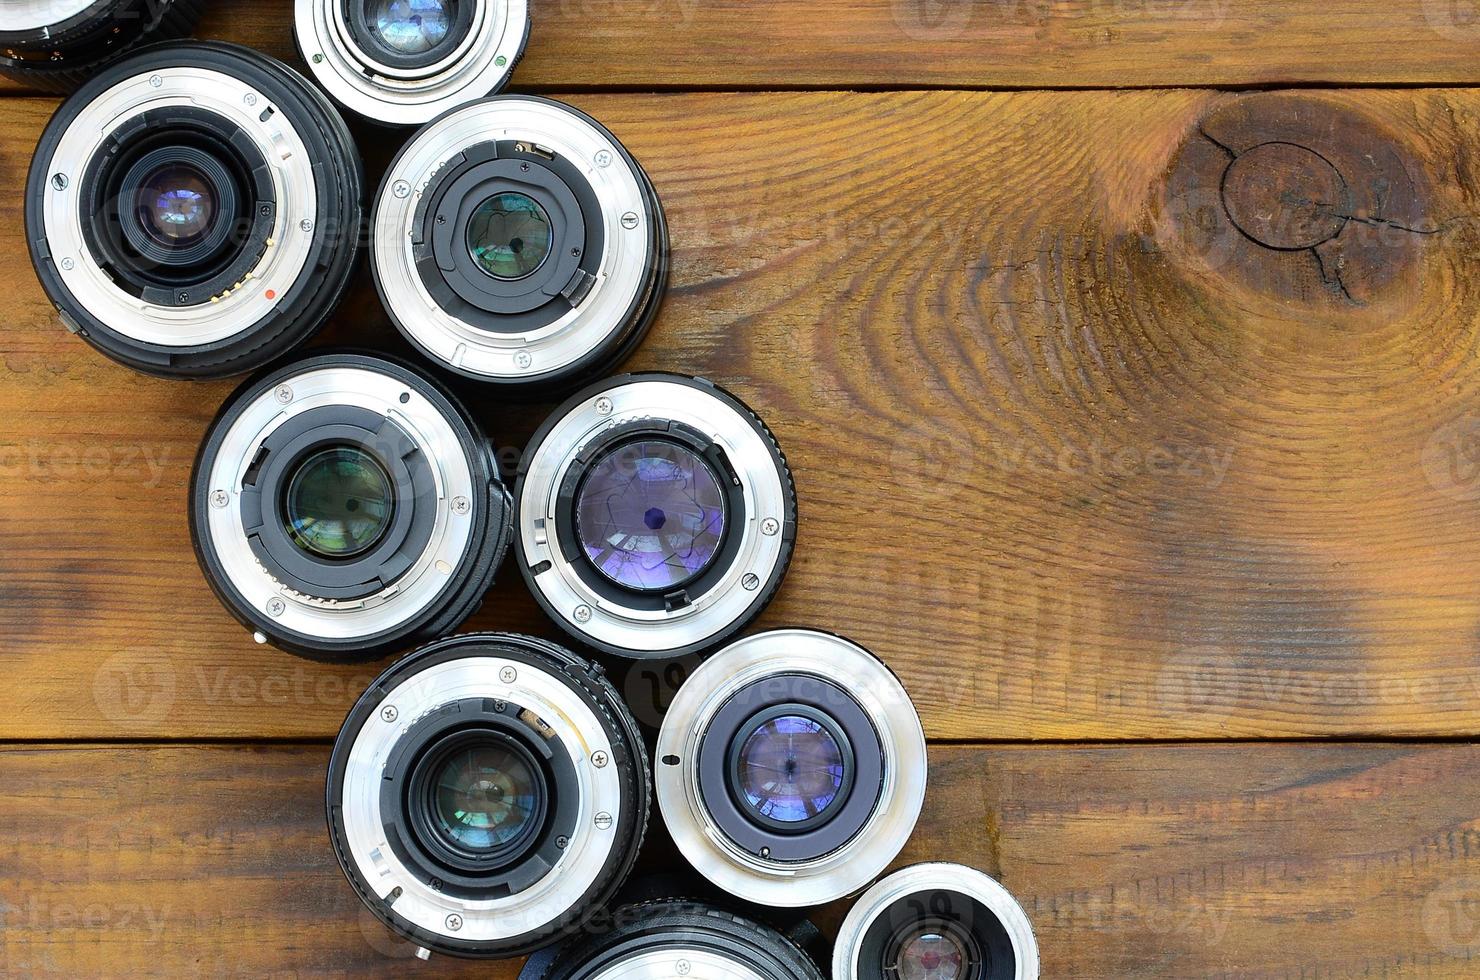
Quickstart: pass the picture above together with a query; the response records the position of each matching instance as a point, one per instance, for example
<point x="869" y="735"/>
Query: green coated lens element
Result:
<point x="486" y="796"/>
<point x="339" y="503"/>
<point x="509" y="236"/>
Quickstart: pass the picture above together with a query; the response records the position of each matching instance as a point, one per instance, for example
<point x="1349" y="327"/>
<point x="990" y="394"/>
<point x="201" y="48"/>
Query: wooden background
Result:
<point x="1150" y="460"/>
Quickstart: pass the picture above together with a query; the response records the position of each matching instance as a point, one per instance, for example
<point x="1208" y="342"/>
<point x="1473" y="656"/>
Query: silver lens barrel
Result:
<point x="518" y="243"/>
<point x="346" y="507"/>
<point x="195" y="210"/>
<point x="404" y="64"/>
<point x="838" y="727"/>
<point x="488" y="795"/>
<point x="944" y="912"/>
<point x="656" y="516"/>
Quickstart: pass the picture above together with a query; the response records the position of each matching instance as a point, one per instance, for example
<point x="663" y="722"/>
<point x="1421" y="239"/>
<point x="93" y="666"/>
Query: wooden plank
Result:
<point x="775" y="44"/>
<point x="1077" y="456"/>
<point x="1138" y="862"/>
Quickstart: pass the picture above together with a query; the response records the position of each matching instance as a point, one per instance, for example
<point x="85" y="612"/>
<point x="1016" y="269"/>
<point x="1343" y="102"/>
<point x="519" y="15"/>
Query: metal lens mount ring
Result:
<point x="429" y="551"/>
<point x="57" y="45"/>
<point x="727" y="446"/>
<point x="663" y="940"/>
<point x="574" y="314"/>
<point x="870" y="825"/>
<point x="958" y="901"/>
<point x="483" y="44"/>
<point x="587" y="810"/>
<point x="284" y="160"/>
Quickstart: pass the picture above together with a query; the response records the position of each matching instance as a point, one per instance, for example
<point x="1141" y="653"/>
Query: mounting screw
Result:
<point x="770" y="526"/>
<point x="523" y="359"/>
<point x="603" y="821"/>
<point x="68" y="265"/>
<point x="283" y="394"/>
<point x="562" y="842"/>
<point x="751" y="582"/>
<point x="461" y="505"/>
<point x="155" y="81"/>
<point x="454" y="922"/>
<point x="583" y="614"/>
<point x="603" y="158"/>
<point x="183" y="297"/>
<point x="682" y="968"/>
<point x="389" y="713"/>
<point x="220" y="498"/>
<point x="250" y="98"/>
<point x="603" y="405"/>
<point x="276" y="607"/>
<point x="629" y="220"/>
<point x="508" y="675"/>
<point x="401" y="189"/>
<point x="306" y="224"/>
<point x="599" y="760"/>
<point x="59" y="181"/>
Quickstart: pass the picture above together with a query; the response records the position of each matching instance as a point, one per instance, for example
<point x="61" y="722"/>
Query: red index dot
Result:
<point x="272" y="294"/>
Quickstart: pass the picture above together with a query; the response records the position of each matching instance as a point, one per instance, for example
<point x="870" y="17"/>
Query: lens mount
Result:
<point x="56" y="45"/>
<point x="657" y="516"/>
<point x="344" y="507"/>
<point x="593" y="220"/>
<point x="943" y="908"/>
<point x="842" y="819"/>
<point x="527" y="753"/>
<point x="663" y="940"/>
<point x="359" y="51"/>
<point x="266" y="156"/>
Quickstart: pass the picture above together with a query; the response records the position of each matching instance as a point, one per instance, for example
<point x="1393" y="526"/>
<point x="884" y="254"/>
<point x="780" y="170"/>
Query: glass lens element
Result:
<point x="650" y="515"/>
<point x="339" y="503"/>
<point x="791" y="769"/>
<point x="933" y="951"/>
<point x="485" y="797"/>
<point x="509" y="236"/>
<point x="176" y="205"/>
<point x="410" y="26"/>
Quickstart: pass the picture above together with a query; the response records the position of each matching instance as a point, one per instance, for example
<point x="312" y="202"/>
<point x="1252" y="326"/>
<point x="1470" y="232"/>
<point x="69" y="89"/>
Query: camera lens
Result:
<point x="936" y="922"/>
<point x="57" y="45"/>
<point x="662" y="940"/>
<point x="791" y="769"/>
<point x="405" y="62"/>
<point x="488" y="795"/>
<point x="518" y="243"/>
<point x="344" y="507"/>
<point x="194" y="211"/>
<point x="656" y="516"/>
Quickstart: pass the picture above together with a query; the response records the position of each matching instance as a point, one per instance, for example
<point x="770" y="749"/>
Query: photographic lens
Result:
<point x="791" y="768"/>
<point x="656" y="516"/>
<point x="509" y="236"/>
<point x="177" y="205"/>
<point x="186" y="238"/>
<point x="56" y="45"/>
<point x="936" y="922"/>
<point x="411" y="26"/>
<point x="339" y="502"/>
<point x="644" y="942"/>
<point x="488" y="795"/>
<point x="345" y="507"/>
<point x="651" y="515"/>
<point x="406" y="62"/>
<point x="505" y="254"/>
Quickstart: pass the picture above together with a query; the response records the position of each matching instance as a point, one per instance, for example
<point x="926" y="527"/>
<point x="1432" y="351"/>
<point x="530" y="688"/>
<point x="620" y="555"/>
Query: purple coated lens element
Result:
<point x="791" y="769"/>
<point x="651" y="515"/>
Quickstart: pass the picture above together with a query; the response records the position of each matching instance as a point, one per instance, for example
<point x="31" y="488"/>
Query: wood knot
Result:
<point x="1300" y="198"/>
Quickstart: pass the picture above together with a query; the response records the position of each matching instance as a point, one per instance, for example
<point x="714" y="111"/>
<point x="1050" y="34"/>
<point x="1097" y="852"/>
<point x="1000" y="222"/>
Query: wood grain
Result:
<point x="1146" y="862"/>
<point x="1077" y="455"/>
<point x="778" y="44"/>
